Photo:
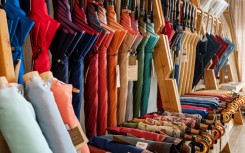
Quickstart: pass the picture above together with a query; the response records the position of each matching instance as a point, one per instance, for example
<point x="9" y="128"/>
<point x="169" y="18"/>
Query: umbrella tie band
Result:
<point x="95" y="2"/>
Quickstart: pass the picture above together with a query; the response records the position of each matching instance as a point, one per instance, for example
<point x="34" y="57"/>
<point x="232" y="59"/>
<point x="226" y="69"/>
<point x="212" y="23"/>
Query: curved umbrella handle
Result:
<point x="221" y="128"/>
<point x="216" y="133"/>
<point x="204" y="144"/>
<point x="227" y="117"/>
<point x="210" y="139"/>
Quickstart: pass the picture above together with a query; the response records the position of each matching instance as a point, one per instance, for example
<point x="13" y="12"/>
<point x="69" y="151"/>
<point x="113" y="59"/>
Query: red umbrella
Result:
<point x="41" y="35"/>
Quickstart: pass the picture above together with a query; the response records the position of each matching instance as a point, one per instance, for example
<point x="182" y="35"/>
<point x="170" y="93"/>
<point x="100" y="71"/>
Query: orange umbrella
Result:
<point x="120" y="34"/>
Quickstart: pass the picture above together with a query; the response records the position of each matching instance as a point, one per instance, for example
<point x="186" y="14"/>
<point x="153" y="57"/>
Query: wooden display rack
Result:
<point x="164" y="64"/>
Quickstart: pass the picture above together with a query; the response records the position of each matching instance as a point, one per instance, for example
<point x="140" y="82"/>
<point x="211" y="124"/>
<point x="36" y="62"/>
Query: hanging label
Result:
<point x="141" y="145"/>
<point x="177" y="60"/>
<point x="118" y="76"/>
<point x="153" y="70"/>
<point x="76" y="136"/>
<point x="132" y="69"/>
<point x="184" y="56"/>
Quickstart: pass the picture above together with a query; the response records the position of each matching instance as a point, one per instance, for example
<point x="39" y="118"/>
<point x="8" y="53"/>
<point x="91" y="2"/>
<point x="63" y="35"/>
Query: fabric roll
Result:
<point x="120" y="34"/>
<point x="138" y="85"/>
<point x="158" y="147"/>
<point x="20" y="30"/>
<point x="41" y="35"/>
<point x="91" y="85"/>
<point x="77" y="58"/>
<point x="123" y="59"/>
<point x="103" y="82"/>
<point x="110" y="145"/>
<point x="42" y="99"/>
<point x="17" y="112"/>
<point x="149" y="49"/>
<point x="203" y="113"/>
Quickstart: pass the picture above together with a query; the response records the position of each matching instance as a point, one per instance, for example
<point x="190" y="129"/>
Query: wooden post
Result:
<point x="6" y="60"/>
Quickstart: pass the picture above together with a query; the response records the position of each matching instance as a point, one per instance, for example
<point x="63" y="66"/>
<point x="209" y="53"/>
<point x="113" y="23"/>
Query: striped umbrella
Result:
<point x="77" y="57"/>
<point x="103" y="90"/>
<point x="149" y="49"/>
<point x="65" y="41"/>
<point x="138" y="85"/>
<point x="135" y="27"/>
<point x="123" y="63"/>
<point x="20" y="26"/>
<point x="112" y="53"/>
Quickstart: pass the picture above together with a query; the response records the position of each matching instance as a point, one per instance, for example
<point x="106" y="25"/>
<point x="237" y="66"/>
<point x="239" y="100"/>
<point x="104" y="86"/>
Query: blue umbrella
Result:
<point x="20" y="28"/>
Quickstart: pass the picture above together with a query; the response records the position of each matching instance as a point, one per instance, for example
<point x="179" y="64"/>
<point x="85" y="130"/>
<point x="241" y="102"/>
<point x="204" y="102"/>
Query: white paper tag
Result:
<point x="141" y="145"/>
<point x="177" y="60"/>
<point x="133" y="72"/>
<point x="184" y="56"/>
<point x="153" y="70"/>
<point x="118" y="76"/>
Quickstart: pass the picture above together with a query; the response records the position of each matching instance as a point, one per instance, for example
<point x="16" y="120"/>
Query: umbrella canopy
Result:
<point x="91" y="69"/>
<point x="138" y="85"/>
<point x="77" y="58"/>
<point x="135" y="27"/>
<point x="65" y="41"/>
<point x="120" y="34"/>
<point x="103" y="89"/>
<point x="123" y="60"/>
<point x="149" y="49"/>
<point x="41" y="35"/>
<point x="20" y="26"/>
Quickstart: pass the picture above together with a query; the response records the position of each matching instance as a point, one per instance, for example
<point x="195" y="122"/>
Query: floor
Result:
<point x="237" y="139"/>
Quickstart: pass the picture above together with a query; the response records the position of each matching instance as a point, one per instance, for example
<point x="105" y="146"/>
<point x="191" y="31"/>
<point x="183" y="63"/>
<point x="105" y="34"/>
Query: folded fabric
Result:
<point x="143" y="134"/>
<point x="203" y="113"/>
<point x="93" y="149"/>
<point x="48" y="116"/>
<point x="110" y="145"/>
<point x="18" y="124"/>
<point x="156" y="147"/>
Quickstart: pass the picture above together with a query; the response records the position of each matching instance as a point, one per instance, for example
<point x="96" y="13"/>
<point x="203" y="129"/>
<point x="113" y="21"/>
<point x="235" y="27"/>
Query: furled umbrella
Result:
<point x="123" y="60"/>
<point x="103" y="89"/>
<point x="135" y="26"/>
<point x="21" y="27"/>
<point x="138" y="85"/>
<point x="91" y="85"/>
<point x="41" y="35"/>
<point x="112" y="53"/>
<point x="77" y="57"/>
<point x="65" y="41"/>
<point x="149" y="49"/>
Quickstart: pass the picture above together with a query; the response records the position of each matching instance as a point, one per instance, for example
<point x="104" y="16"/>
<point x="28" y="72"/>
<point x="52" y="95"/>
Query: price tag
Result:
<point x="177" y="60"/>
<point x="184" y="56"/>
<point x="141" y="145"/>
<point x="118" y="76"/>
<point x="132" y="69"/>
<point x="76" y="136"/>
<point x="153" y="70"/>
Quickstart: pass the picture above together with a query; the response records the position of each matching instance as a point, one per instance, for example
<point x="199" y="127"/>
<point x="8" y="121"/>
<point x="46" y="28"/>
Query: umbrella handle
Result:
<point x="204" y="144"/>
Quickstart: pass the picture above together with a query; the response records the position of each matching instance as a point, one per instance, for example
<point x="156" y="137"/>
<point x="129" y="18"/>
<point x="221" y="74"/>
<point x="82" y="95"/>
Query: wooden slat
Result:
<point x="6" y="61"/>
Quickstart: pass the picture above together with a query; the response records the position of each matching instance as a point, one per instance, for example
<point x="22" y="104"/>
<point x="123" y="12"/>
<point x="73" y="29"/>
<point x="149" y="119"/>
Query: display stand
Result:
<point x="164" y="65"/>
<point x="6" y="60"/>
